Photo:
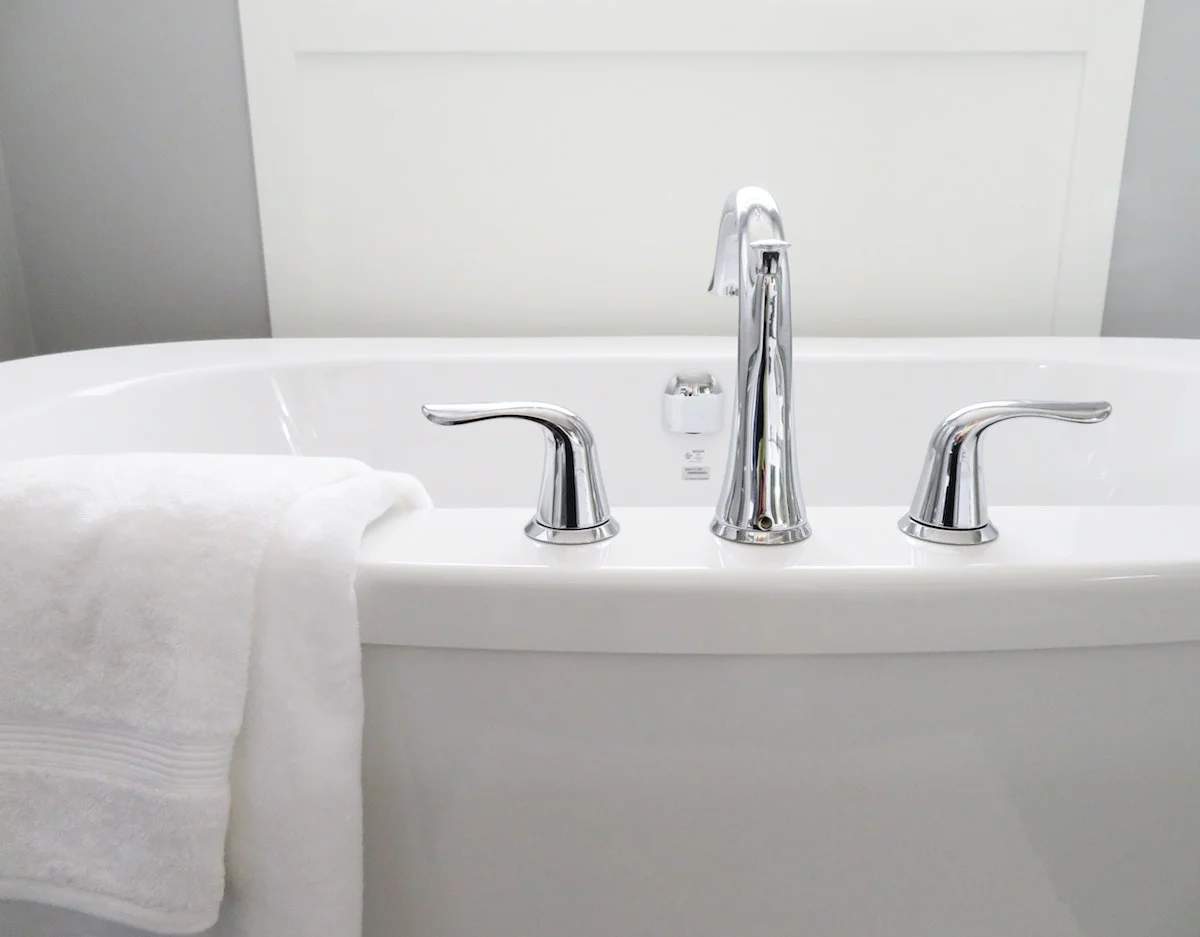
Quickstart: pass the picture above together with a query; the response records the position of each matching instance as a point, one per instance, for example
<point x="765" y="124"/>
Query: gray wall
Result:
<point x="129" y="161"/>
<point x="1154" y="280"/>
<point x="128" y="150"/>
<point x="16" y="336"/>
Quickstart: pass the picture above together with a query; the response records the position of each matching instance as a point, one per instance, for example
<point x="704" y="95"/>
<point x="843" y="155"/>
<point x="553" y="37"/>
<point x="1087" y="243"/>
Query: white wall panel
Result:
<point x="436" y="167"/>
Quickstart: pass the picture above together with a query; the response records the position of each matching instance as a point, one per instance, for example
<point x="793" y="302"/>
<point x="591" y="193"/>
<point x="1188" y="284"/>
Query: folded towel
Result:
<point x="179" y="660"/>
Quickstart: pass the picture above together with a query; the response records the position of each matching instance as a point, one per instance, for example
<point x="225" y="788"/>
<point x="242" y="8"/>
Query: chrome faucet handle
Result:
<point x="572" y="507"/>
<point x="949" y="506"/>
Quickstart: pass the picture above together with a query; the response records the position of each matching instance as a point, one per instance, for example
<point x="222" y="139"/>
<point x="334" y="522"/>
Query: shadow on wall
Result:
<point x="16" y="335"/>
<point x="128" y="146"/>
<point x="1154" y="280"/>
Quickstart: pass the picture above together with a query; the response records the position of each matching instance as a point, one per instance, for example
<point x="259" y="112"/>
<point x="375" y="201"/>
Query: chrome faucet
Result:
<point x="760" y="501"/>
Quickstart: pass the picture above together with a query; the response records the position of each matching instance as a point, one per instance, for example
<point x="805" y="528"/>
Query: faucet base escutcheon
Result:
<point x="767" y="537"/>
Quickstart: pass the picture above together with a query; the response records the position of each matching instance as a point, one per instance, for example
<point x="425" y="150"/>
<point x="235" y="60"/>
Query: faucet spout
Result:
<point x="760" y="501"/>
<point x="750" y="214"/>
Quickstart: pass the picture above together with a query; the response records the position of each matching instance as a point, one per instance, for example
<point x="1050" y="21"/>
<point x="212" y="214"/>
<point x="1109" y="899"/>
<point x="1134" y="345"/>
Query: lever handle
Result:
<point x="572" y="506"/>
<point x="949" y="506"/>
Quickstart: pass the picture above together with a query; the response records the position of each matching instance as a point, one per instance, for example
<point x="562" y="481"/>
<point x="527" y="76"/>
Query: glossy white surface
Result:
<point x="957" y="795"/>
<point x="667" y="734"/>
<point x="865" y="411"/>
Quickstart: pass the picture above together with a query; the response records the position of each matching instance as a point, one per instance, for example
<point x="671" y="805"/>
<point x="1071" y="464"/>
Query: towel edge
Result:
<point x="107" y="907"/>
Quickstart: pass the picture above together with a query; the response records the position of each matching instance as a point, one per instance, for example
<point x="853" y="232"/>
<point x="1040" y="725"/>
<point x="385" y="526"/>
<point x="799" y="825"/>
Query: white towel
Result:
<point x="154" y="611"/>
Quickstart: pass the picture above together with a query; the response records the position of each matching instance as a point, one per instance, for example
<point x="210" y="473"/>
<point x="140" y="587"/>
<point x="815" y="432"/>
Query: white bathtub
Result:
<point x="667" y="734"/>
